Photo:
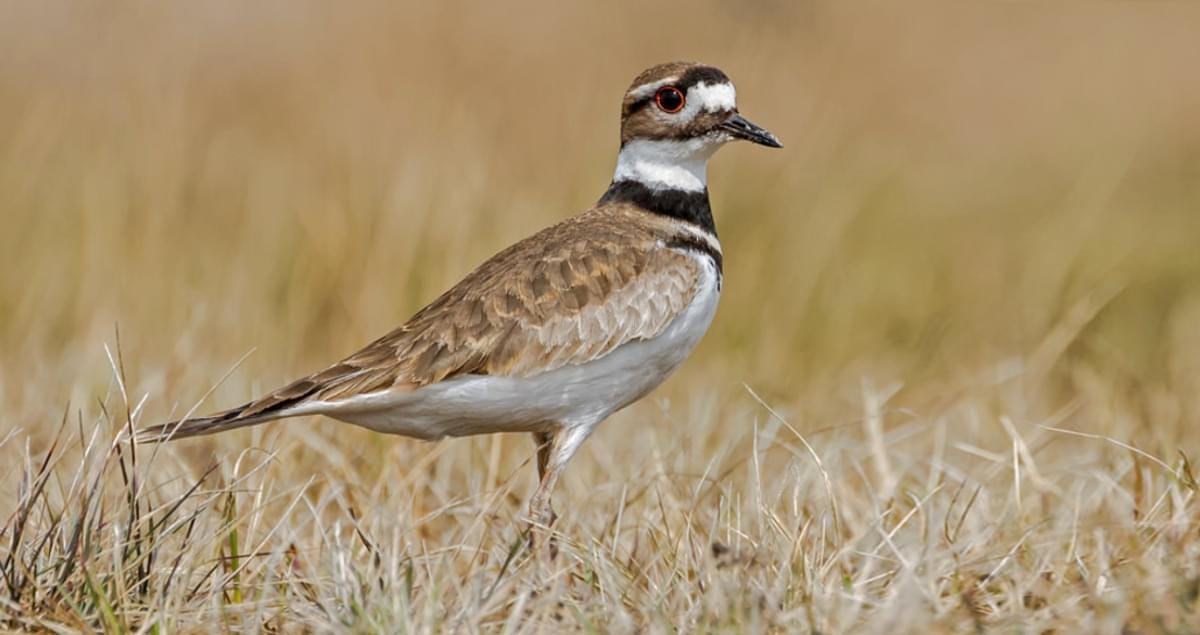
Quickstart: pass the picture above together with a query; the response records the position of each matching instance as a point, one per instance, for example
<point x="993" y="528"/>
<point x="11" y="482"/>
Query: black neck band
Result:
<point x="687" y="206"/>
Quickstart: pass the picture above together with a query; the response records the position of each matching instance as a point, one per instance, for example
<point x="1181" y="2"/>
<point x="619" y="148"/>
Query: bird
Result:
<point x="555" y="333"/>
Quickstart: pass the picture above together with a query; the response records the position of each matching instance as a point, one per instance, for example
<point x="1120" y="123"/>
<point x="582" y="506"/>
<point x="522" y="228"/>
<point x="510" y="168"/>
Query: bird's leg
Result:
<point x="543" y="440"/>
<point x="555" y="449"/>
<point x="540" y="509"/>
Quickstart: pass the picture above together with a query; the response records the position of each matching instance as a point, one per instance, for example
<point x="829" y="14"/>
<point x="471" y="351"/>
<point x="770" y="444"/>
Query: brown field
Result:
<point x="954" y="384"/>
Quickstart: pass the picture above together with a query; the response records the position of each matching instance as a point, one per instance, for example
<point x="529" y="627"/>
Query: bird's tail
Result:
<point x="285" y="402"/>
<point x="219" y="422"/>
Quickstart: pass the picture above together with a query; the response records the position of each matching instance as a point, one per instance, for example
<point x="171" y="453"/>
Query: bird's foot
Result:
<point x="539" y="533"/>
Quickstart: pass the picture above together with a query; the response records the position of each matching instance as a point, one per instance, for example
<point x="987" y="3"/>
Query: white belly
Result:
<point x="573" y="395"/>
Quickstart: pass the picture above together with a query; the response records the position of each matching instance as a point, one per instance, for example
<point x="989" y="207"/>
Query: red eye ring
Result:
<point x="670" y="99"/>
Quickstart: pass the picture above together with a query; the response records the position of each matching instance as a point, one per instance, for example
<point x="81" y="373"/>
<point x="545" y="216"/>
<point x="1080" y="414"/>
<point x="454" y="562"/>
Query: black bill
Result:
<point x="741" y="128"/>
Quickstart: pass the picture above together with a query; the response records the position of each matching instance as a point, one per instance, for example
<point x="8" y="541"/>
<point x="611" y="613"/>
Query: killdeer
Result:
<point x="562" y="329"/>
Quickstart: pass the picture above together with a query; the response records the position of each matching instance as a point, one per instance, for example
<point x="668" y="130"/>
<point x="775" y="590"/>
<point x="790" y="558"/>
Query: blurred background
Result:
<point x="973" y="197"/>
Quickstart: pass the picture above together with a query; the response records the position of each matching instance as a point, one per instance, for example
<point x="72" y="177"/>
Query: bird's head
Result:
<point x="673" y="118"/>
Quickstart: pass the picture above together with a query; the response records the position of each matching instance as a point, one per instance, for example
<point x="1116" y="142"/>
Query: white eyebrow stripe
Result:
<point x="645" y="90"/>
<point x="714" y="97"/>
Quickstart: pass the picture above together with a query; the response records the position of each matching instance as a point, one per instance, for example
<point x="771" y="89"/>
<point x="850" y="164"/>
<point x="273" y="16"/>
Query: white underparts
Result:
<point x="667" y="164"/>
<point x="576" y="397"/>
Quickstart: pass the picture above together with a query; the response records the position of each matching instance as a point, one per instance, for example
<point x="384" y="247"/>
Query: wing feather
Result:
<point x="568" y="295"/>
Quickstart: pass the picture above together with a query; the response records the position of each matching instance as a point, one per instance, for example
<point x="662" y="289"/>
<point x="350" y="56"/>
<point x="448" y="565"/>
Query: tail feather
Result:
<point x="276" y="405"/>
<point x="219" y="422"/>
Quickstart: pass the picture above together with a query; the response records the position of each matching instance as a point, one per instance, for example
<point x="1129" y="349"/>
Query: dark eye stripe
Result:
<point x="639" y="104"/>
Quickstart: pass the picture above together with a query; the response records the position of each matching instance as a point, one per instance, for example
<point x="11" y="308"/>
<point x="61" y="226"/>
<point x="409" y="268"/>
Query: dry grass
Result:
<point x="954" y="383"/>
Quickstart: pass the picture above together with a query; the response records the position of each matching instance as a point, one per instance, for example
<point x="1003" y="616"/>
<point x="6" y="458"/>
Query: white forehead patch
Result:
<point x="713" y="97"/>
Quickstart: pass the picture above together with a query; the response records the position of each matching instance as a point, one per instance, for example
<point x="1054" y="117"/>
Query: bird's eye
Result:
<point x="669" y="99"/>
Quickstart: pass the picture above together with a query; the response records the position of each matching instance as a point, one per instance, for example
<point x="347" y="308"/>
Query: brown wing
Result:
<point x="570" y="294"/>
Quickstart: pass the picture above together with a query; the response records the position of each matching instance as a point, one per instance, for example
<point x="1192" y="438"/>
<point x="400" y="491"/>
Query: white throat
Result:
<point x="665" y="164"/>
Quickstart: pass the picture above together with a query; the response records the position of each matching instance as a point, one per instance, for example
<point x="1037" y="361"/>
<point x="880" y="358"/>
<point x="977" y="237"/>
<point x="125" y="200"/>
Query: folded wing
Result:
<point x="568" y="295"/>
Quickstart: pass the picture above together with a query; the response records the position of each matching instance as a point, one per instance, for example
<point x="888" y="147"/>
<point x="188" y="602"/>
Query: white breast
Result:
<point x="575" y="395"/>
